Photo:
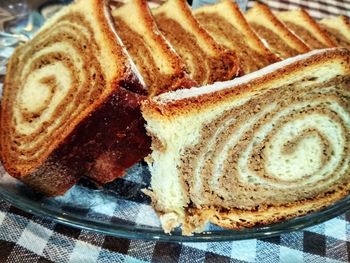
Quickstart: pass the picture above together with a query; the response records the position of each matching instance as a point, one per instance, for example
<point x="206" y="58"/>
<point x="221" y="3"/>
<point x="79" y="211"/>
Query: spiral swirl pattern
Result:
<point x="281" y="146"/>
<point x="54" y="78"/>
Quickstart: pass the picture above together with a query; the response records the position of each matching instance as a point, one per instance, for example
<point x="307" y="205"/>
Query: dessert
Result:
<point x="227" y="25"/>
<point x="338" y="28"/>
<point x="160" y="66"/>
<point x="206" y="60"/>
<point x="303" y="25"/>
<point x="70" y="102"/>
<point x="262" y="148"/>
<point x="279" y="38"/>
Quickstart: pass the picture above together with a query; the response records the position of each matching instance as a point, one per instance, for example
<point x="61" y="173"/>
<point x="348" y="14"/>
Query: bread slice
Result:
<point x="205" y="59"/>
<point x="338" y="28"/>
<point x="279" y="38"/>
<point x="227" y="25"/>
<point x="303" y="25"/>
<point x="268" y="146"/>
<point x="160" y="66"/>
<point x="69" y="102"/>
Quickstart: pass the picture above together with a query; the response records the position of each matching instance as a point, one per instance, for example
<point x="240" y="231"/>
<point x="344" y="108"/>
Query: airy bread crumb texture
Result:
<point x="61" y="87"/>
<point x="265" y="147"/>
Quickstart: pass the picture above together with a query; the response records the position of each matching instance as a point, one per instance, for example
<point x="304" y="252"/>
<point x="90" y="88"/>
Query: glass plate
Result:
<point x="119" y="208"/>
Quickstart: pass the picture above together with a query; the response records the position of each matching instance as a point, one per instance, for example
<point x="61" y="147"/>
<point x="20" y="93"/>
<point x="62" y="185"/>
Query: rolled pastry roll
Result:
<point x="159" y="64"/>
<point x="69" y="102"/>
<point x="271" y="145"/>
<point x="278" y="37"/>
<point x="338" y="28"/>
<point x="227" y="25"/>
<point x="206" y="60"/>
<point x="302" y="24"/>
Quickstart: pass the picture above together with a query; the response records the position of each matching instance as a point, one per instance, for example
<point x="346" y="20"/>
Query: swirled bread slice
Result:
<point x="268" y="146"/>
<point x="303" y="25"/>
<point x="227" y="25"/>
<point x="160" y="66"/>
<point x="205" y="59"/>
<point x="338" y="28"/>
<point x="68" y="102"/>
<point x="279" y="38"/>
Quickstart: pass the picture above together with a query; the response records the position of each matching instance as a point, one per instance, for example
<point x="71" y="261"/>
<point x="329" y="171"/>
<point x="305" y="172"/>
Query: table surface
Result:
<point x="28" y="238"/>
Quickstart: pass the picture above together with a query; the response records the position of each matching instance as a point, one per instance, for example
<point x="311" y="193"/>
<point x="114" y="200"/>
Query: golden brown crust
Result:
<point x="67" y="154"/>
<point x="289" y="37"/>
<point x="226" y="23"/>
<point x="178" y="65"/>
<point x="238" y="218"/>
<point x="344" y="19"/>
<point x="321" y="33"/>
<point x="79" y="153"/>
<point x="174" y="108"/>
<point x="186" y="10"/>
<point x="114" y="42"/>
<point x="215" y="52"/>
<point x="250" y="32"/>
<point x="310" y="25"/>
<point x="234" y="8"/>
<point x="157" y="83"/>
<point x="232" y="144"/>
<point x="338" y="28"/>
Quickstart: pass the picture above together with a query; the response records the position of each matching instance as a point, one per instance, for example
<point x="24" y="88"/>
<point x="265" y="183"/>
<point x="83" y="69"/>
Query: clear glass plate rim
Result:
<point x="148" y="233"/>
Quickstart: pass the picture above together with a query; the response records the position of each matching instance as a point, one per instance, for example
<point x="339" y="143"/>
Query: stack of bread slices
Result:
<point x="71" y="105"/>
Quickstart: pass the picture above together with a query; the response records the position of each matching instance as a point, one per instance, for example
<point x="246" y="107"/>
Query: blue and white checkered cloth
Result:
<point x="27" y="238"/>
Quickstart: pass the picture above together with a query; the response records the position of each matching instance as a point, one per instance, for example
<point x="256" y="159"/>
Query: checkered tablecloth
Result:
<point x="28" y="238"/>
<point x="316" y="8"/>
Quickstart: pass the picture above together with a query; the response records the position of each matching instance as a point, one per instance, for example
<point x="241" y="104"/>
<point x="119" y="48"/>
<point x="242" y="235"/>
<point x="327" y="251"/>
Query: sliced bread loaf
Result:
<point x="268" y="146"/>
<point x="279" y="38"/>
